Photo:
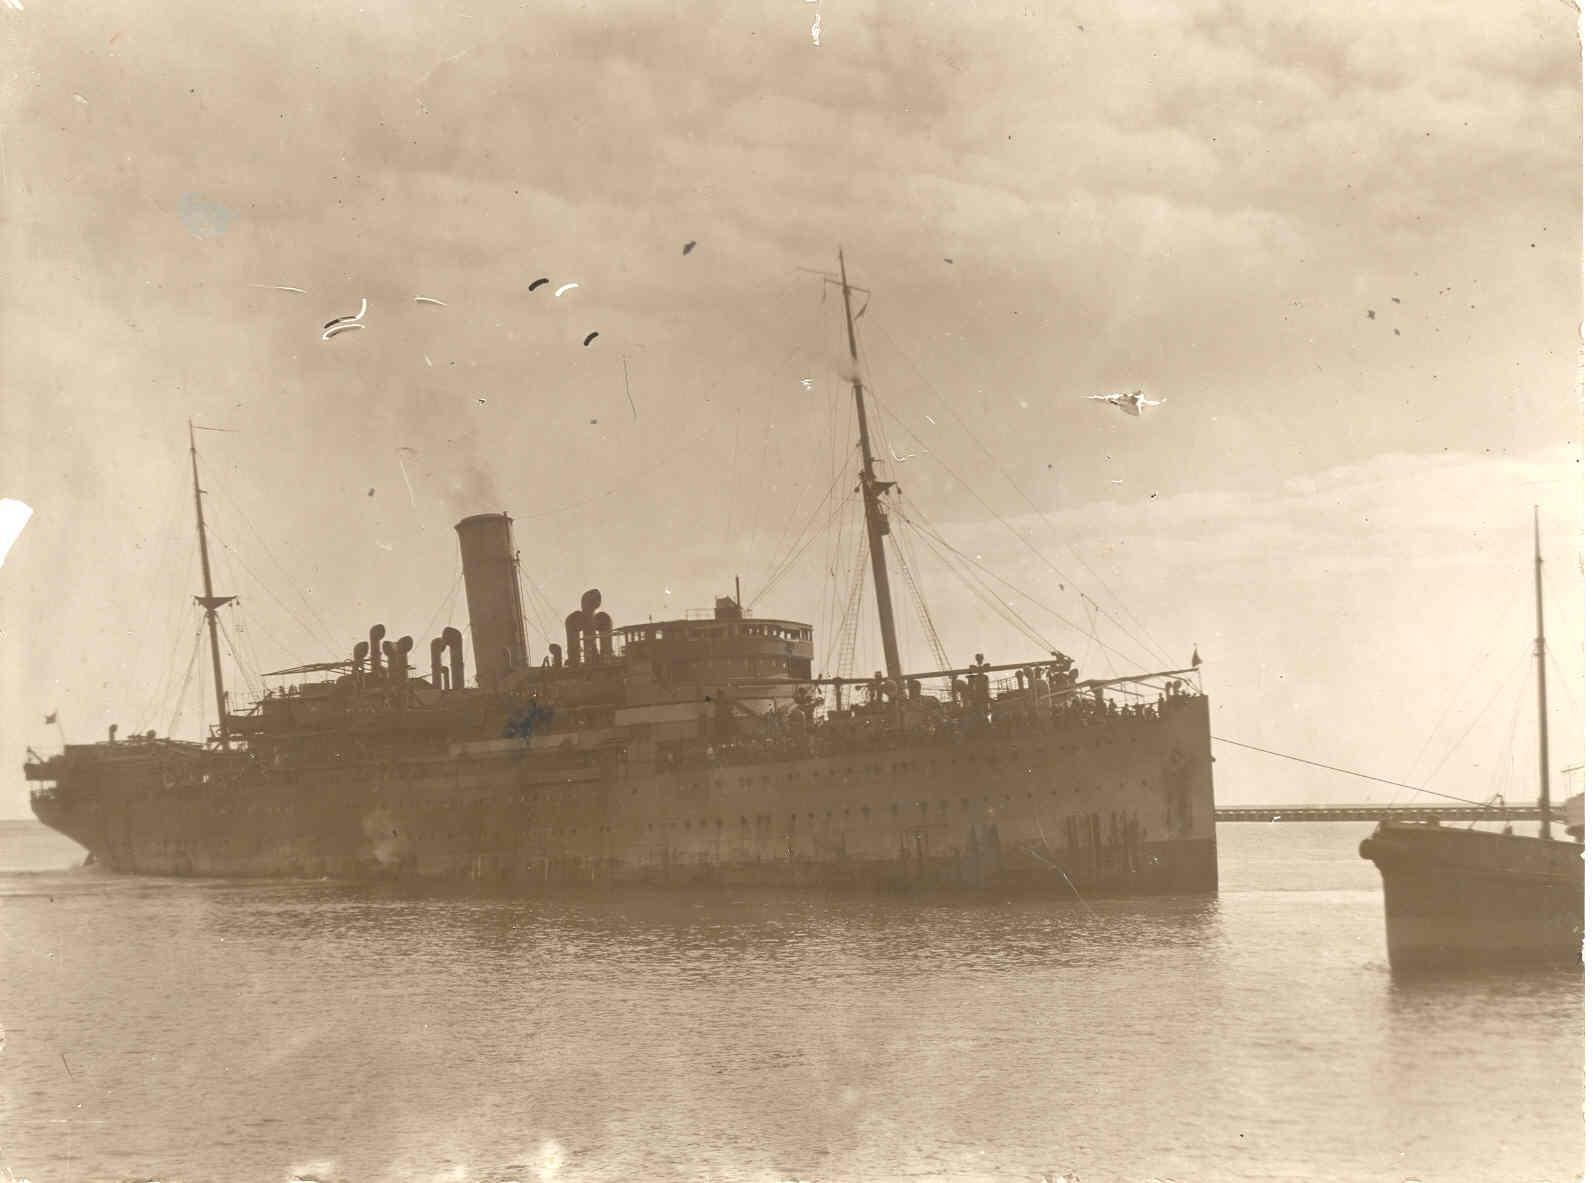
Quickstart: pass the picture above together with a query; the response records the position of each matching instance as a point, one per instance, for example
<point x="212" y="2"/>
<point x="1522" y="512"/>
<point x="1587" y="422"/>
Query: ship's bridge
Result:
<point x="725" y="649"/>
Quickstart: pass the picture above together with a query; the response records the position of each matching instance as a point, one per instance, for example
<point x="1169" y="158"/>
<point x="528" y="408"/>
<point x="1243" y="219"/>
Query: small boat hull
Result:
<point x="1471" y="898"/>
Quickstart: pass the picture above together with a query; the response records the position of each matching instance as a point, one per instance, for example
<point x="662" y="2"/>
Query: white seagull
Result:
<point x="1129" y="404"/>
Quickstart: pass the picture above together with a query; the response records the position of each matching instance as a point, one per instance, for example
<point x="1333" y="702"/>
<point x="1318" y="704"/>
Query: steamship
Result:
<point x="698" y="751"/>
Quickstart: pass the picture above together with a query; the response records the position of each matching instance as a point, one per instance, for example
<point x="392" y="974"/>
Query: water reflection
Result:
<point x="212" y="1027"/>
<point x="680" y="932"/>
<point x="1545" y="993"/>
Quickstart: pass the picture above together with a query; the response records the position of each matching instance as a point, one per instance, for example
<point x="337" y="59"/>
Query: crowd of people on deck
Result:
<point x="1048" y="697"/>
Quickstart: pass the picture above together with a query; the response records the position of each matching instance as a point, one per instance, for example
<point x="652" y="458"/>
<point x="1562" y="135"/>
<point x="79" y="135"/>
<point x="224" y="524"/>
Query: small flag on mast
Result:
<point x="50" y="718"/>
<point x="1194" y="658"/>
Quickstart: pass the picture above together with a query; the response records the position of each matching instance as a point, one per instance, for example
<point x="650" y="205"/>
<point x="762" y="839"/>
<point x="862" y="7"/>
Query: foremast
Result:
<point x="209" y="601"/>
<point x="1539" y="651"/>
<point x="873" y="490"/>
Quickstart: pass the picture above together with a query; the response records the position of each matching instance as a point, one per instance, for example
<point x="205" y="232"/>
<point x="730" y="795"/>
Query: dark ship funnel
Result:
<point x="492" y="593"/>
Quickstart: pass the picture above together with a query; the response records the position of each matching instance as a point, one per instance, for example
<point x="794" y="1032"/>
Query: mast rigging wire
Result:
<point x="443" y="604"/>
<point x="782" y="567"/>
<point x="254" y="689"/>
<point x="1348" y="771"/>
<point x="1151" y="648"/>
<point x="246" y="649"/>
<point x="924" y="621"/>
<point x="151" y="641"/>
<point x="156" y="700"/>
<point x="935" y="537"/>
<point x="1466" y="680"/>
<point x="177" y="711"/>
<point x="1486" y="707"/>
<point x="321" y="635"/>
<point x="985" y="595"/>
<point x="844" y="650"/>
<point x="1160" y="657"/>
<point x="1505" y="764"/>
<point x="309" y="632"/>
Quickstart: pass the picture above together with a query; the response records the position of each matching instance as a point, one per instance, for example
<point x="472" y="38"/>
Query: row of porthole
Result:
<point x="912" y="766"/>
<point x="993" y="760"/>
<point x="761" y="818"/>
<point x="455" y="803"/>
<point x="828" y="813"/>
<point x="719" y="824"/>
<point x="405" y="772"/>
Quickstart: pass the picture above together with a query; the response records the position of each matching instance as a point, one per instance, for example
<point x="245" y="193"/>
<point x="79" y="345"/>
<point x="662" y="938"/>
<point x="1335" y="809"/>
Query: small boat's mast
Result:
<point x="209" y="601"/>
<point x="1543" y="710"/>
<point x="873" y="506"/>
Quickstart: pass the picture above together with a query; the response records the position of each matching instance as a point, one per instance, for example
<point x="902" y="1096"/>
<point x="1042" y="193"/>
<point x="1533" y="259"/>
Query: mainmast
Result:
<point x="210" y="601"/>
<point x="1538" y="648"/>
<point x="873" y="504"/>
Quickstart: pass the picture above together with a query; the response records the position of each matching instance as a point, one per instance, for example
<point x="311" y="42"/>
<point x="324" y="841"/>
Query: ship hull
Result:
<point x="1465" y="898"/>
<point x="1123" y="806"/>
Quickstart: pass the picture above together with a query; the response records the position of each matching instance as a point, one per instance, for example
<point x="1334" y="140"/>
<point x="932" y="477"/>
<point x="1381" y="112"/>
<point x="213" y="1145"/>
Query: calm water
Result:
<point x="195" y="1031"/>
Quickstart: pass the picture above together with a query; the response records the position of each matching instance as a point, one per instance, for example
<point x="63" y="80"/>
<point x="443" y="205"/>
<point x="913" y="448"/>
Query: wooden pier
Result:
<point x="1521" y="811"/>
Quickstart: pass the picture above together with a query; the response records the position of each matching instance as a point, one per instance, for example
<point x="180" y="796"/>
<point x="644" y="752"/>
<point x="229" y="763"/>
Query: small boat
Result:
<point x="1470" y="898"/>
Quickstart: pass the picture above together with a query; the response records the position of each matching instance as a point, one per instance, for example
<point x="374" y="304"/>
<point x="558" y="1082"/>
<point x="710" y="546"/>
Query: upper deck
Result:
<point x="720" y="650"/>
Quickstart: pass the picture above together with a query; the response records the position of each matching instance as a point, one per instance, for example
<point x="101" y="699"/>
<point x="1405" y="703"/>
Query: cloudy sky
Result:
<point x="1340" y="242"/>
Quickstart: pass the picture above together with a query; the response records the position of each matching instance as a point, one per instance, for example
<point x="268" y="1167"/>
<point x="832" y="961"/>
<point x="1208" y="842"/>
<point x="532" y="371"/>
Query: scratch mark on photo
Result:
<point x="342" y="324"/>
<point x="405" y="473"/>
<point x="451" y="58"/>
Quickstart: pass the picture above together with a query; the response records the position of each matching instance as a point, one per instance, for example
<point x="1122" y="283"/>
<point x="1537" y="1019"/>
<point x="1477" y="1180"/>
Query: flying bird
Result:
<point x="686" y="250"/>
<point x="1129" y="404"/>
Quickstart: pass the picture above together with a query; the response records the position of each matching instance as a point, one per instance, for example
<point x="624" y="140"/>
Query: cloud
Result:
<point x="1201" y="200"/>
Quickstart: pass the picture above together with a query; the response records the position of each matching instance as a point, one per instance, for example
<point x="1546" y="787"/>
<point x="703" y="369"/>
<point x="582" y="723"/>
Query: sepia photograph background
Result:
<point x="399" y="264"/>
